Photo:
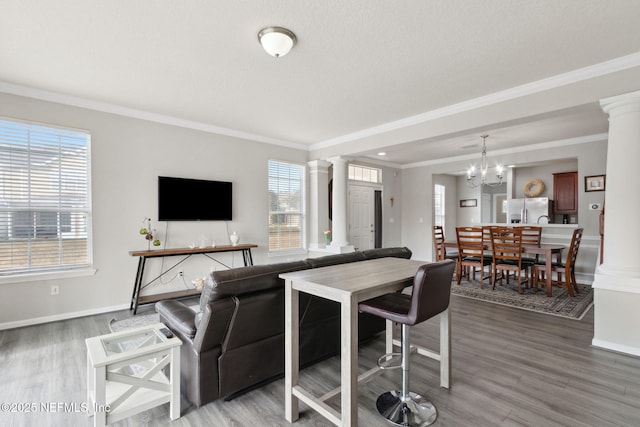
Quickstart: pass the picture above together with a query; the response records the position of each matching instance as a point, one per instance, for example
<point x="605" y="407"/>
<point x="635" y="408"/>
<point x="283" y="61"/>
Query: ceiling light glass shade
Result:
<point x="277" y="41"/>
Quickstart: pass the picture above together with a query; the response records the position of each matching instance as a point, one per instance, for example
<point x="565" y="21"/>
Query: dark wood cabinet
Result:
<point x="565" y="192"/>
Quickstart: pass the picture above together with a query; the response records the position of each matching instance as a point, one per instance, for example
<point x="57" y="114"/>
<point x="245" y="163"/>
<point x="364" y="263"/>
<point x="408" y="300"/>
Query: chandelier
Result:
<point x="472" y="180"/>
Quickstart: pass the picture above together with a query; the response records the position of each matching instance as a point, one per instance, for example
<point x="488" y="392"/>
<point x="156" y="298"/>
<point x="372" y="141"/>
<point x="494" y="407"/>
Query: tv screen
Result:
<point x="183" y="199"/>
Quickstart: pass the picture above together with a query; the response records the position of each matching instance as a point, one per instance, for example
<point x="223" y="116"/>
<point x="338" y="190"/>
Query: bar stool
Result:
<point x="429" y="297"/>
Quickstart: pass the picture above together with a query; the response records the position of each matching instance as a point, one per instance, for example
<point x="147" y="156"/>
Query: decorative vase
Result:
<point x="327" y="239"/>
<point x="234" y="238"/>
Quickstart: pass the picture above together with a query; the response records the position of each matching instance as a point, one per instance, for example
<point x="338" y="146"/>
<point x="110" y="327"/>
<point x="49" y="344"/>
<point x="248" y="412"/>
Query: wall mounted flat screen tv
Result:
<point x="183" y="199"/>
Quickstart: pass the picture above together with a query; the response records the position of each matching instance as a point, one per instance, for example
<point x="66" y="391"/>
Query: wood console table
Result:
<point x="137" y="300"/>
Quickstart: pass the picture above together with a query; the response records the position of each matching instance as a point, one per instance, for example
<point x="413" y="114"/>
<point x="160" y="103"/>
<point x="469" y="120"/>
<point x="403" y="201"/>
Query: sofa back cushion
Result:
<point x="399" y="252"/>
<point x="244" y="280"/>
<point x="335" y="259"/>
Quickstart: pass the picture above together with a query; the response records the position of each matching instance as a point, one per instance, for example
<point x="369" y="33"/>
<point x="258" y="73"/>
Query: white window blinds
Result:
<point x="44" y="198"/>
<point x="286" y="206"/>
<point x="438" y="204"/>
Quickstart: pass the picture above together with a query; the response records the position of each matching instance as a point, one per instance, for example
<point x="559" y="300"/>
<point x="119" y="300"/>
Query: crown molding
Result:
<point x="45" y="95"/>
<point x="599" y="137"/>
<point x="575" y="76"/>
<point x="571" y="77"/>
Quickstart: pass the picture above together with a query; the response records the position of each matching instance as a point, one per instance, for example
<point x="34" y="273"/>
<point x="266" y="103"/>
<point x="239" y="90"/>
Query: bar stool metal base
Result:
<point x="415" y="411"/>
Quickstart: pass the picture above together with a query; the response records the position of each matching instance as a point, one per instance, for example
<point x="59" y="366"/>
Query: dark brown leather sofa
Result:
<point x="236" y="341"/>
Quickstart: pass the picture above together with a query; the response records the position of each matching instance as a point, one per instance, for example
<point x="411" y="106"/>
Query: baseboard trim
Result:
<point x="606" y="345"/>
<point x="63" y="316"/>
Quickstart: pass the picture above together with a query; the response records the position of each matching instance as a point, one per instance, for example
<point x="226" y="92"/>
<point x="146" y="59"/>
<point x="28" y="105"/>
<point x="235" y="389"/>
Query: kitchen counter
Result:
<point x="568" y="226"/>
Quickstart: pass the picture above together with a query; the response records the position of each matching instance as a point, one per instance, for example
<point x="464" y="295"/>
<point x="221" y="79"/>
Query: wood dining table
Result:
<point x="548" y="250"/>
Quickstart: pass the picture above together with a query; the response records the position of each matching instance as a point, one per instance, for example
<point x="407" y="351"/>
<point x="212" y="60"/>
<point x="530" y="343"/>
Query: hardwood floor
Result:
<point x="510" y="368"/>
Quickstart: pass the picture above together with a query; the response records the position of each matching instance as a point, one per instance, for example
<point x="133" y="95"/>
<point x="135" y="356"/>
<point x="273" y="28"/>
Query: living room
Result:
<point x="131" y="145"/>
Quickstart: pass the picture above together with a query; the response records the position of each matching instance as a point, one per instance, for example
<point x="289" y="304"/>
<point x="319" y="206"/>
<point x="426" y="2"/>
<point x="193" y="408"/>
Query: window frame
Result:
<point x="354" y="168"/>
<point x="301" y="212"/>
<point x="60" y="269"/>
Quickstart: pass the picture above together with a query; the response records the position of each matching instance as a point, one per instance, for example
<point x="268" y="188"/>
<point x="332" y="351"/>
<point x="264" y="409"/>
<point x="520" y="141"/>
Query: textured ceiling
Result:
<point x="357" y="65"/>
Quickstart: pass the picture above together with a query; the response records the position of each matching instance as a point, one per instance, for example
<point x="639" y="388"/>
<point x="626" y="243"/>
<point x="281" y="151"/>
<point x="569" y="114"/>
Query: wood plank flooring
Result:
<point x="510" y="368"/>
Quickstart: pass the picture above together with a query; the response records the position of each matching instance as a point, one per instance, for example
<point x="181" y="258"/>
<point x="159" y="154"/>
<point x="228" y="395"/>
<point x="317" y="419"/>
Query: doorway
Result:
<point x="365" y="216"/>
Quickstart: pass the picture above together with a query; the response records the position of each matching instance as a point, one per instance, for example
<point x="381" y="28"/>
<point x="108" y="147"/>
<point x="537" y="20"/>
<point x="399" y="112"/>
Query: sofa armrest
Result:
<point x="180" y="317"/>
<point x="214" y="324"/>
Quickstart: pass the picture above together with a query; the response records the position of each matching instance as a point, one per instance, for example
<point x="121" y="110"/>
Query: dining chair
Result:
<point x="531" y="235"/>
<point x="430" y="296"/>
<point x="441" y="252"/>
<point x="471" y="246"/>
<point x="568" y="268"/>
<point x="506" y="246"/>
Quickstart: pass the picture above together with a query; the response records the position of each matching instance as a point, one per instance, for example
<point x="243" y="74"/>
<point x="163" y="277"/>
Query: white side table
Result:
<point x="125" y="373"/>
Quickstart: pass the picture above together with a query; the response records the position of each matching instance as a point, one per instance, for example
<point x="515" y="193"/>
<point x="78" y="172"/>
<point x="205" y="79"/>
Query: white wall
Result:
<point x="468" y="215"/>
<point x="417" y="208"/>
<point x="127" y="156"/>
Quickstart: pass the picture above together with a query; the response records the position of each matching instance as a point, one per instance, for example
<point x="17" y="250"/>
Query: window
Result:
<point x="44" y="198"/>
<point x="438" y="204"/>
<point x="286" y="206"/>
<point x="364" y="173"/>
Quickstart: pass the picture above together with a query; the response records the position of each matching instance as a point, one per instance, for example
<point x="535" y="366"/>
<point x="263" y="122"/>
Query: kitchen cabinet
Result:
<point x="565" y="192"/>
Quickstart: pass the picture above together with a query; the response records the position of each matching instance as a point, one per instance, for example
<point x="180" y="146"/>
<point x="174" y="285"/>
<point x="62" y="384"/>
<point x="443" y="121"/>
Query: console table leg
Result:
<point x="137" y="282"/>
<point x="246" y="255"/>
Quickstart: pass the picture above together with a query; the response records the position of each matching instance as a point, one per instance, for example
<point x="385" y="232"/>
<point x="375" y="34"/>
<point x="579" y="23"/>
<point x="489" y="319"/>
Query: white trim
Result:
<point x="571" y="77"/>
<point x="620" y="283"/>
<point x="104" y="107"/>
<point x="599" y="137"/>
<point x="63" y="316"/>
<point x="584" y="278"/>
<point x="286" y="253"/>
<point x="49" y="275"/>
<point x="606" y="345"/>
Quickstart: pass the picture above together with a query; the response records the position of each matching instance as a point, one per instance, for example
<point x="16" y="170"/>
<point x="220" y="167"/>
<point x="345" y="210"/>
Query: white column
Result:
<point x="318" y="202"/>
<point x="617" y="281"/>
<point x="339" y="243"/>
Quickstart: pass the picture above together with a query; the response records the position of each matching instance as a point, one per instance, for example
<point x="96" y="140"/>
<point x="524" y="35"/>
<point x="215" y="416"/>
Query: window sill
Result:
<point x="50" y="275"/>
<point x="287" y="253"/>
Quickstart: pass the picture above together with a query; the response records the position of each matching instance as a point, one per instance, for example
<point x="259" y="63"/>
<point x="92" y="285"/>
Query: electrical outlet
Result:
<point x="55" y="290"/>
<point x="181" y="273"/>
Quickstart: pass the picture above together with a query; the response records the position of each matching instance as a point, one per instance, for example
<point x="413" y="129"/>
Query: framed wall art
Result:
<point x="594" y="183"/>
<point x="468" y="203"/>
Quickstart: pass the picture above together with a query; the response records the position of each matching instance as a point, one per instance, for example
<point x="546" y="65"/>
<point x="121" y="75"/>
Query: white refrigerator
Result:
<point x="531" y="210"/>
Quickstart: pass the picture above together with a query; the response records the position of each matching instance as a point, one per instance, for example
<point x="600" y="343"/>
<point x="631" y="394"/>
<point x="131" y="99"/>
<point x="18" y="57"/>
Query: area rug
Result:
<point x="560" y="304"/>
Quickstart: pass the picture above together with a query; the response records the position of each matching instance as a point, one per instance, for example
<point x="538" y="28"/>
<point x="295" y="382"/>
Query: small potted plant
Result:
<point x="327" y="236"/>
<point x="148" y="232"/>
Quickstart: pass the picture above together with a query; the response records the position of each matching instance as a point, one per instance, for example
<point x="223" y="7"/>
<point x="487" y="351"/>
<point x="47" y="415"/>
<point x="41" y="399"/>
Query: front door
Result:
<point x="361" y="216"/>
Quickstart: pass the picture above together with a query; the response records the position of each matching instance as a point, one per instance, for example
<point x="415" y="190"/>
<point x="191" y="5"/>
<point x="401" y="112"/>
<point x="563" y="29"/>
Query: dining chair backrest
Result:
<point x="531" y="235"/>
<point x="438" y="242"/>
<point x="572" y="255"/>
<point x="506" y="245"/>
<point x="471" y="241"/>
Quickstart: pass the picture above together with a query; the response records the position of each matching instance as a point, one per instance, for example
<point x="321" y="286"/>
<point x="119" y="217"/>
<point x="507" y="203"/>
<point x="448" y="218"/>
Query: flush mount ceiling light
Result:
<point x="277" y="41"/>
